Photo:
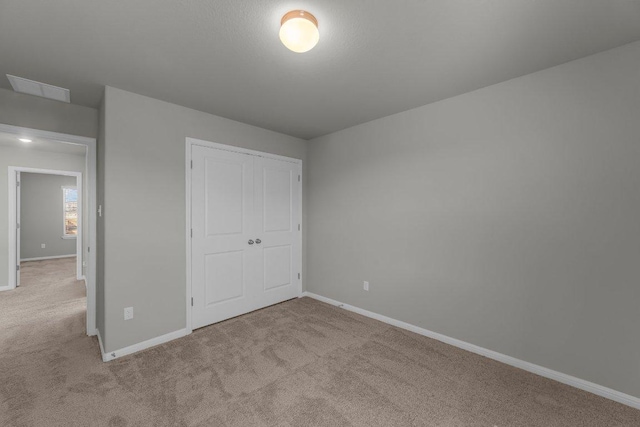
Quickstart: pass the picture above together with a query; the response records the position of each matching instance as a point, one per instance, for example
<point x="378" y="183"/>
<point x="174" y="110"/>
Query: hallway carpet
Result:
<point x="299" y="363"/>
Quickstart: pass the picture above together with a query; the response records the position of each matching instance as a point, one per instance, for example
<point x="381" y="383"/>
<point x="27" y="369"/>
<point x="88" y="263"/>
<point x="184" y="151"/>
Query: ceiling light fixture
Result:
<point x="299" y="31"/>
<point x="24" y="140"/>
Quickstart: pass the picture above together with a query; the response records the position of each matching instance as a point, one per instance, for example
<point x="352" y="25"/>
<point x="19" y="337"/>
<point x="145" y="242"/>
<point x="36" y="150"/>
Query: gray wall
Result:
<point x="143" y="162"/>
<point x="34" y="112"/>
<point x="41" y="216"/>
<point x="26" y="157"/>
<point x="508" y="217"/>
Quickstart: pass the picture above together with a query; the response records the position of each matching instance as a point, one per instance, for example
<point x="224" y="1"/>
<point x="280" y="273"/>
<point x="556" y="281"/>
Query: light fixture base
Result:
<point x="299" y="14"/>
<point x="299" y="31"/>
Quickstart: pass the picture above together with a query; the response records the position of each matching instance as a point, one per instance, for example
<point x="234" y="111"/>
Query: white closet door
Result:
<point x="245" y="249"/>
<point x="277" y="206"/>
<point x="223" y="221"/>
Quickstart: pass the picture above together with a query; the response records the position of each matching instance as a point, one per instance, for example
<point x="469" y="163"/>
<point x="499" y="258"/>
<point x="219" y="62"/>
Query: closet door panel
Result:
<point x="223" y="263"/>
<point x="277" y="218"/>
<point x="245" y="246"/>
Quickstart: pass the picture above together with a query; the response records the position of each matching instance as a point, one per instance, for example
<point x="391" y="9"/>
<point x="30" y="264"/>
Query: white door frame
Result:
<point x="18" y="209"/>
<point x="14" y="210"/>
<point x="90" y="203"/>
<point x="190" y="142"/>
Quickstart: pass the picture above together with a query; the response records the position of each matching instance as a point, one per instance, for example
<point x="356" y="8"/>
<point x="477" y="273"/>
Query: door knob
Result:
<point x="258" y="241"/>
<point x="251" y="242"/>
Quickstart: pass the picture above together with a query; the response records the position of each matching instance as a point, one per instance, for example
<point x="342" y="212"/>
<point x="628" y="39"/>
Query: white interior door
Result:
<point x="277" y="206"/>
<point x="222" y="221"/>
<point x="245" y="247"/>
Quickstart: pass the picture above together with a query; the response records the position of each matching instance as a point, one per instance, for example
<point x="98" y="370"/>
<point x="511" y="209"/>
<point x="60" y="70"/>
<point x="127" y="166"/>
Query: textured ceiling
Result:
<point x="374" y="58"/>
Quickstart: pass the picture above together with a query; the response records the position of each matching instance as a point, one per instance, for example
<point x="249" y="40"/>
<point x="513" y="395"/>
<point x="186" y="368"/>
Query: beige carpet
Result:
<point x="299" y="363"/>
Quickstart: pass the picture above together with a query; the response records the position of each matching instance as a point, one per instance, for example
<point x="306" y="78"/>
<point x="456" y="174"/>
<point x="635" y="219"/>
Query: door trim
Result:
<point x="14" y="256"/>
<point x="190" y="142"/>
<point x="90" y="257"/>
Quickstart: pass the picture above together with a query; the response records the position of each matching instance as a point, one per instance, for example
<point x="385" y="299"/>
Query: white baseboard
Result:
<point x="599" y="390"/>
<point x="47" y="257"/>
<point x="106" y="357"/>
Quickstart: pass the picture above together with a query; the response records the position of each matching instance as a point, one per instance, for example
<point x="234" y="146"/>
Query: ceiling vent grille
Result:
<point x="44" y="90"/>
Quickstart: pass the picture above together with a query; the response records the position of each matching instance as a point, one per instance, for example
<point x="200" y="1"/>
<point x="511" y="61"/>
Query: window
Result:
<point x="70" y="212"/>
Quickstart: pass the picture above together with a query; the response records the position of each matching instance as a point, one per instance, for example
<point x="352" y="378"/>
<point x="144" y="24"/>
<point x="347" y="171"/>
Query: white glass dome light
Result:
<point x="299" y="31"/>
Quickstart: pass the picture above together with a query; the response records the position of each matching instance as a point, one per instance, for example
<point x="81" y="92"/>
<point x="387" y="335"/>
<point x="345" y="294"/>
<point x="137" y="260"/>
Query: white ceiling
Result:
<point x="39" y="144"/>
<point x="374" y="58"/>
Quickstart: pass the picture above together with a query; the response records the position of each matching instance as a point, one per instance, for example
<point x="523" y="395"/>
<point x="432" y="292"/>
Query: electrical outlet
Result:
<point x="128" y="313"/>
<point x="366" y="286"/>
<point x="42" y="246"/>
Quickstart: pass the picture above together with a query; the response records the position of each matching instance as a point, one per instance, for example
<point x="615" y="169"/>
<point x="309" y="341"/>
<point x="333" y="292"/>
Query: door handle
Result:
<point x="258" y="241"/>
<point x="250" y="242"/>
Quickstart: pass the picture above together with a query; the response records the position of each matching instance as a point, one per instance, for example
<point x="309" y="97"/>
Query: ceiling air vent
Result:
<point x="32" y="87"/>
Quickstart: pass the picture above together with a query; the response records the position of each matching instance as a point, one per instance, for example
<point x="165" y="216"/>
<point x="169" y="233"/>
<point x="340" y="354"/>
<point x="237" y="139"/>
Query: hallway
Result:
<point x="42" y="323"/>
<point x="48" y="306"/>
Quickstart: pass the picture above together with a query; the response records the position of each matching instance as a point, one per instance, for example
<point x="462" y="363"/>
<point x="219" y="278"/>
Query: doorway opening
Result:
<point x="50" y="205"/>
<point x="48" y="209"/>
